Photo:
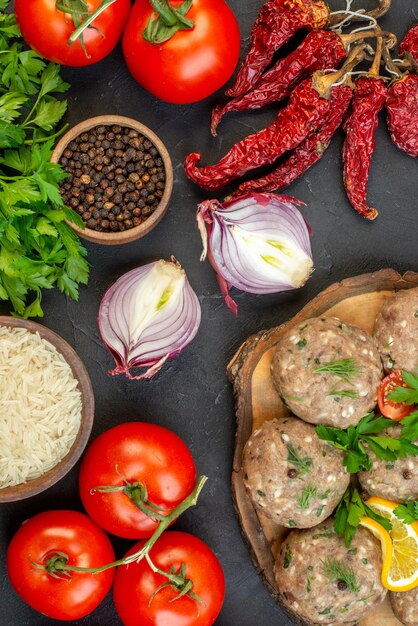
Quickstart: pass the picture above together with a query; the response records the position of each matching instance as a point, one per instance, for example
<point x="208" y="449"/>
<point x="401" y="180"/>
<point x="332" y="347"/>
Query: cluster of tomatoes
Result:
<point x="158" y="462"/>
<point x="189" y="66"/>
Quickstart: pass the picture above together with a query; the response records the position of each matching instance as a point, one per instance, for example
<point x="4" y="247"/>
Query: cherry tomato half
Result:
<point x="86" y="545"/>
<point x="47" y="30"/>
<point x="192" y="64"/>
<point x="135" y="452"/>
<point x="389" y="408"/>
<point x="136" y="583"/>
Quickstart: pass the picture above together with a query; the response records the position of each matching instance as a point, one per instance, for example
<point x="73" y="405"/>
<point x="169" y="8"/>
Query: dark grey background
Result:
<point x="191" y="395"/>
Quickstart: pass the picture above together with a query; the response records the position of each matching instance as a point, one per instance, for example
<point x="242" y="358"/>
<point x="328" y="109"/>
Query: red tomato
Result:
<point x="47" y="30"/>
<point x="139" y="453"/>
<point x="135" y="583"/>
<point x="389" y="408"/>
<point x="86" y="546"/>
<point x="192" y="64"/>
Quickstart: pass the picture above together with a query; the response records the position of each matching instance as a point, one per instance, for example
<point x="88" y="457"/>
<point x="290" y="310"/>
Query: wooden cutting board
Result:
<point x="355" y="301"/>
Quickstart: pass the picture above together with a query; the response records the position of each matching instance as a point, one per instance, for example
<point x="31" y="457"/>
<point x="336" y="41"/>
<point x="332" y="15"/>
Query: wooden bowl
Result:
<point x="37" y="485"/>
<point x="132" y="234"/>
<point x="355" y="301"/>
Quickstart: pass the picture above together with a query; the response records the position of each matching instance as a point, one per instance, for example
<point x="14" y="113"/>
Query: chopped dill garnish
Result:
<point x="287" y="557"/>
<point x="308" y="492"/>
<point x="303" y="464"/>
<point x="340" y="571"/>
<point x="346" y="369"/>
<point x="344" y="392"/>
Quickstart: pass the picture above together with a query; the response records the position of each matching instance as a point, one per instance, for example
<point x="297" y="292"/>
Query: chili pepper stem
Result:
<point x="323" y="83"/>
<point x="351" y="38"/>
<point x="57" y="563"/>
<point x="375" y="67"/>
<point x="390" y="65"/>
<point x="384" y="6"/>
<point x="80" y="30"/>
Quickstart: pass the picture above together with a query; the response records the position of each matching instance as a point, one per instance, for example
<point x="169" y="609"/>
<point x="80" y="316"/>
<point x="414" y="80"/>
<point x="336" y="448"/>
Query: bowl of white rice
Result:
<point x="46" y="408"/>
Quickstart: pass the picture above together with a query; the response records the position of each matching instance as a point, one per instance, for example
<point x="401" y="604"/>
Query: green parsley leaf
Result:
<point x="410" y="427"/>
<point x="49" y="113"/>
<point x="349" y="513"/>
<point x="11" y="136"/>
<point x="353" y="440"/>
<point x="407" y="512"/>
<point x="408" y="394"/>
<point x="38" y="250"/>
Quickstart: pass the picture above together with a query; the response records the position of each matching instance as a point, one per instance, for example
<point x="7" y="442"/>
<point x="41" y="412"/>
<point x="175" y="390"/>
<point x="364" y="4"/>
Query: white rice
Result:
<point x="40" y="406"/>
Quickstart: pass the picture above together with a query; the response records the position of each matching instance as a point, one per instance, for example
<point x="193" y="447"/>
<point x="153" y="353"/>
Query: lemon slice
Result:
<point x="400" y="564"/>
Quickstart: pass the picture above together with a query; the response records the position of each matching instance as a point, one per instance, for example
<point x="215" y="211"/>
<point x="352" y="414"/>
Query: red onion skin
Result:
<point x="205" y="212"/>
<point x="153" y="365"/>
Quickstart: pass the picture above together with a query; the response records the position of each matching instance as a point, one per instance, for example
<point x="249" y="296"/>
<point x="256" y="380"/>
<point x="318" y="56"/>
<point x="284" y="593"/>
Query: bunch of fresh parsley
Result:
<point x="357" y="440"/>
<point x="38" y="250"/>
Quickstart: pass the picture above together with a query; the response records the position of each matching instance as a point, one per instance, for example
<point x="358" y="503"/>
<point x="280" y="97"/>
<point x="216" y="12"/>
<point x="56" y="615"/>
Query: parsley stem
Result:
<point x="44" y="139"/>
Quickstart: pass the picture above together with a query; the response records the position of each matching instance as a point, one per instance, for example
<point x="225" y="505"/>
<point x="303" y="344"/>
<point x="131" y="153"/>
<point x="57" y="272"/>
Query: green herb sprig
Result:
<point x="302" y="463"/>
<point x="38" y="250"/>
<point x="349" y="513"/>
<point x="407" y="512"/>
<point x="410" y="426"/>
<point x="353" y="441"/>
<point x="308" y="492"/>
<point x="339" y="571"/>
<point x="408" y="394"/>
<point x="346" y="369"/>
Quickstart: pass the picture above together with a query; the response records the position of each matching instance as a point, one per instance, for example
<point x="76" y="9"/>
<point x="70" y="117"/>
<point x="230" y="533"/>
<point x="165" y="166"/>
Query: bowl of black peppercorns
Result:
<point x="120" y="178"/>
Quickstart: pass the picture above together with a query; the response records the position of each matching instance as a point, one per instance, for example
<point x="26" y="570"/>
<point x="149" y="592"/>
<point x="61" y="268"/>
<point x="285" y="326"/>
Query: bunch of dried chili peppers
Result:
<point x="321" y="98"/>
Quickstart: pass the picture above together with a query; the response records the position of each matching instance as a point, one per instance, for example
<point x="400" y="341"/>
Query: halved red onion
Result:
<point x="258" y="243"/>
<point x="147" y="316"/>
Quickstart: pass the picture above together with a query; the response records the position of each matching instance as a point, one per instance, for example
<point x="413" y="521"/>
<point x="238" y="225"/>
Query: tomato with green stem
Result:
<point x="181" y="51"/>
<point x="192" y="595"/>
<point x="44" y="541"/>
<point x="390" y="408"/>
<point x="51" y="28"/>
<point x="133" y="475"/>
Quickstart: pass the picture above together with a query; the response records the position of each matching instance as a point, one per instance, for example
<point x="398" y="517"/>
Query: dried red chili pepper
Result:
<point x="320" y="50"/>
<point x="308" y="105"/>
<point x="368" y="100"/>
<point x="402" y="108"/>
<point x="409" y="46"/>
<point x="277" y="22"/>
<point x="308" y="152"/>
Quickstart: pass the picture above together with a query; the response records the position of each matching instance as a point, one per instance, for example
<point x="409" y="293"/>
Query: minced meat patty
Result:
<point x="393" y="480"/>
<point x="327" y="372"/>
<point x="323" y="581"/>
<point x="291" y="475"/>
<point x="396" y="331"/>
<point x="405" y="606"/>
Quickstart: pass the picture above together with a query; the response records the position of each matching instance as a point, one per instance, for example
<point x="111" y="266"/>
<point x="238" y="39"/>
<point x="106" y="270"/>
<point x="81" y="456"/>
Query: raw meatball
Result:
<point x="324" y="582"/>
<point x="393" y="480"/>
<point x="396" y="331"/>
<point x="337" y="398"/>
<point x="293" y="477"/>
<point x="405" y="606"/>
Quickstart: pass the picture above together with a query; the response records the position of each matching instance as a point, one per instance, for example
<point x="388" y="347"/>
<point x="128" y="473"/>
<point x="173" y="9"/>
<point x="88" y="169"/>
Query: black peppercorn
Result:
<point x="116" y="177"/>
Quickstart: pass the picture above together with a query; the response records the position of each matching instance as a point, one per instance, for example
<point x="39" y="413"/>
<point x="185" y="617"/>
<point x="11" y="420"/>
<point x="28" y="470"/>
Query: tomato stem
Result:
<point x="168" y="22"/>
<point x="86" y="23"/>
<point x="62" y="569"/>
<point x="138" y="494"/>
